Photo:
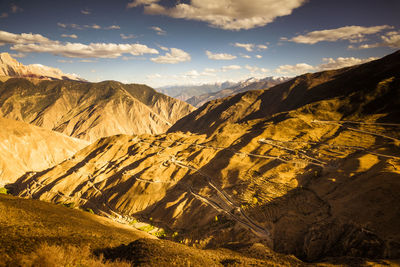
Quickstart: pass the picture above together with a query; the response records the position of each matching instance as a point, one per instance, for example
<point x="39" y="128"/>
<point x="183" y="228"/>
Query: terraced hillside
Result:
<point x="309" y="167"/>
<point x="90" y="110"/>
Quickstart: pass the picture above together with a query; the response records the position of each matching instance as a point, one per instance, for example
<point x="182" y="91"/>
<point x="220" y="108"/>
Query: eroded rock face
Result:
<point x="90" y="110"/>
<point x="314" y="177"/>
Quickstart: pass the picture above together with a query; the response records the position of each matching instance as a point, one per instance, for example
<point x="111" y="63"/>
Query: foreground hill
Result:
<point x="247" y="85"/>
<point x="90" y="110"/>
<point x="27" y="224"/>
<point x="9" y="67"/>
<point x="309" y="167"/>
<point x="25" y="147"/>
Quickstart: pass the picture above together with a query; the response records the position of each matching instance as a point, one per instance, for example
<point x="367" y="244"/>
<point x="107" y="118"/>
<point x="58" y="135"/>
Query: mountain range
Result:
<point x="9" y="67"/>
<point x="308" y="167"/>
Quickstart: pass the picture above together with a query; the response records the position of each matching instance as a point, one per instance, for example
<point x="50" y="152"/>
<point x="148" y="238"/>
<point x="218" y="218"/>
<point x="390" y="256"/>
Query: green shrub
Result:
<point x="3" y="191"/>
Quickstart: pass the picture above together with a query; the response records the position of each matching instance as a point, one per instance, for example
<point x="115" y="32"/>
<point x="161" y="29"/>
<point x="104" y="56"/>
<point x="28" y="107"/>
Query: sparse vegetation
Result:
<point x="52" y="255"/>
<point x="3" y="190"/>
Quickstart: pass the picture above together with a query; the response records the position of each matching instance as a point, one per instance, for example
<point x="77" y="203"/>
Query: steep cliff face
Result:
<point x="309" y="167"/>
<point x="12" y="68"/>
<point x="90" y="110"/>
<point x="26" y="148"/>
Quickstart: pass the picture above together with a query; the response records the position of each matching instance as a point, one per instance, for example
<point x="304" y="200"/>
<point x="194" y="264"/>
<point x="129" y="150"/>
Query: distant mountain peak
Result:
<point x="12" y="68"/>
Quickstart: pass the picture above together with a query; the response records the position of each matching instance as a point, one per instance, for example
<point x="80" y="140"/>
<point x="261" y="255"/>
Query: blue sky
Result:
<point x="197" y="41"/>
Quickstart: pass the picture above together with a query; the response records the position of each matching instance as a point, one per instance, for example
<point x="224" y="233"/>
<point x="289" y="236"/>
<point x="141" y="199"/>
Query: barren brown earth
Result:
<point x="309" y="167"/>
<point x="26" y="225"/>
<point x="90" y="110"/>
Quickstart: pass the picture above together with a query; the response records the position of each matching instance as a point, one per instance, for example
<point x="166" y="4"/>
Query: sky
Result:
<point x="173" y="42"/>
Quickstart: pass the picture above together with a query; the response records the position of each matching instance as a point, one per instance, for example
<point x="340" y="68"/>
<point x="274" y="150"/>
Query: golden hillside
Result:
<point x="90" y="110"/>
<point x="26" y="148"/>
<point x="309" y="167"/>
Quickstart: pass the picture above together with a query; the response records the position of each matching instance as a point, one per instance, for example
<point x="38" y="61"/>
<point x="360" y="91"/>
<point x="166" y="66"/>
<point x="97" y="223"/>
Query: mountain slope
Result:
<point x="300" y="91"/>
<point x="25" y="147"/>
<point x="61" y="227"/>
<point x="309" y="167"/>
<point x="12" y="68"/>
<point x="249" y="84"/>
<point x="90" y="110"/>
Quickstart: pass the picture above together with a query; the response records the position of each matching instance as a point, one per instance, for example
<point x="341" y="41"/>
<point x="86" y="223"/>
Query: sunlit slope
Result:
<point x="25" y="148"/>
<point x="90" y="110"/>
<point x="316" y="177"/>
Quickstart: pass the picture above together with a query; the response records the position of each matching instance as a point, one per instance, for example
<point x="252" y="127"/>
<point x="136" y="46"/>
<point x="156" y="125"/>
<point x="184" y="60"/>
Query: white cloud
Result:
<point x="255" y="69"/>
<point x="341" y="62"/>
<point x="262" y="47"/>
<point x="85" y="12"/>
<point x="328" y="64"/>
<point x="18" y="55"/>
<point x="15" y="8"/>
<point x="87" y="61"/>
<point x="297" y="69"/>
<point x="163" y="47"/>
<point x="127" y="36"/>
<point x="192" y="74"/>
<point x="245" y="56"/>
<point x="73" y="36"/>
<point x="248" y="47"/>
<point x="352" y="33"/>
<point x="221" y="56"/>
<point x="211" y="70"/>
<point x="65" y="61"/>
<point x="158" y="30"/>
<point x="230" y="67"/>
<point x="112" y="27"/>
<point x="93" y="50"/>
<point x="23" y="38"/>
<point x="224" y="14"/>
<point x="390" y="39"/>
<point x="136" y="3"/>
<point x="93" y="26"/>
<point x="258" y="56"/>
<point x="175" y="55"/>
<point x="28" y="43"/>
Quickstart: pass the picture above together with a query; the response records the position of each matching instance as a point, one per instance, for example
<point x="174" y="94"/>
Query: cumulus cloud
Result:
<point x="175" y="55"/>
<point x="245" y="56"/>
<point x="224" y="14"/>
<point x="230" y="67"/>
<point x="28" y="43"/>
<point x="127" y="36"/>
<point x="262" y="47"/>
<point x="18" y="55"/>
<point x="255" y="69"/>
<point x="158" y="30"/>
<point x="163" y="47"/>
<point x="93" y="50"/>
<point x="297" y="69"/>
<point x="23" y="38"/>
<point x="221" y="56"/>
<point x="258" y="56"/>
<point x="81" y="27"/>
<point x="390" y="39"/>
<point x="352" y="33"/>
<point x="73" y="36"/>
<point x="85" y="12"/>
<point x="248" y="47"/>
<point x="341" y="62"/>
<point x="328" y="64"/>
